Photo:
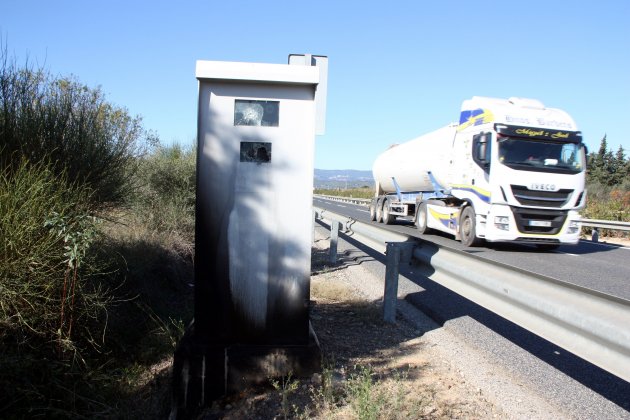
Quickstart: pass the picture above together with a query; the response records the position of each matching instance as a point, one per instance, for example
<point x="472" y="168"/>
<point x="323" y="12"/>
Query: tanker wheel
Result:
<point x="421" y="218"/>
<point x="467" y="231"/>
<point x="373" y="210"/>
<point x="388" y="219"/>
<point x="379" y="211"/>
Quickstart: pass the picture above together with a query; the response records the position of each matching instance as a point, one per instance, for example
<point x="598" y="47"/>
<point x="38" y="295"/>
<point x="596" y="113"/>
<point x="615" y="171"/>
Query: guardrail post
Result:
<point x="595" y="237"/>
<point x="390" y="296"/>
<point x="334" y="238"/>
<point x="314" y="220"/>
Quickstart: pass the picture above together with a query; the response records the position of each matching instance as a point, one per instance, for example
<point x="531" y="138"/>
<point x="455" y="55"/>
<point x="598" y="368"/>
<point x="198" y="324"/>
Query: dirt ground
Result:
<point x="371" y="369"/>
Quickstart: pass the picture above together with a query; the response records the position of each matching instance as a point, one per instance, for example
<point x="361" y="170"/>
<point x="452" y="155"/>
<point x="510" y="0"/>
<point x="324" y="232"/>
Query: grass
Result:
<point x="94" y="293"/>
<point x="285" y="386"/>
<point x="363" y="394"/>
<point x="45" y="274"/>
<point x="88" y="306"/>
<point x="333" y="292"/>
<point x="366" y="399"/>
<point x="366" y="395"/>
<point x="361" y="390"/>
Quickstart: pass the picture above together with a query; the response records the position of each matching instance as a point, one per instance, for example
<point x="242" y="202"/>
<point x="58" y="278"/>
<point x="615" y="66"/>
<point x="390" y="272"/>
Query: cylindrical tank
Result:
<point x="411" y="161"/>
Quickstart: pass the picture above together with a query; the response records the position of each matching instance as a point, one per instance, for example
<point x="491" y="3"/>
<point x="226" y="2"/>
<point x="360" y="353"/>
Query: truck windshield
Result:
<point x="542" y="156"/>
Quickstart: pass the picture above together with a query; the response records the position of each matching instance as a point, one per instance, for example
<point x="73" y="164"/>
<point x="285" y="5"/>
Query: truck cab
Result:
<point x="525" y="182"/>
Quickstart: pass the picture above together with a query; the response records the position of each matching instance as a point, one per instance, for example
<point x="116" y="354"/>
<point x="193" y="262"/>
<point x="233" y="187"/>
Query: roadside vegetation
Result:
<point x="96" y="220"/>
<point x="608" y="185"/>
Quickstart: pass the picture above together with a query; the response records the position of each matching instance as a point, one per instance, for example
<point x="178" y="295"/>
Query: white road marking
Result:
<point x="567" y="253"/>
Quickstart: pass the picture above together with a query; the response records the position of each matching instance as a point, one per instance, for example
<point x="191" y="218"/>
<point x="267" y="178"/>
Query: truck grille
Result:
<point x="547" y="222"/>
<point x="528" y="197"/>
<point x="544" y="241"/>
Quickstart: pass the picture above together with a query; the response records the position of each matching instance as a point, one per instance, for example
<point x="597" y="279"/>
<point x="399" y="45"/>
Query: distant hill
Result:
<point x="342" y="178"/>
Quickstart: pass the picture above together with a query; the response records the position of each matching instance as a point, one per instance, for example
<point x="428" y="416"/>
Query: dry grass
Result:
<point x="127" y="309"/>
<point x="371" y="370"/>
<point x="325" y="290"/>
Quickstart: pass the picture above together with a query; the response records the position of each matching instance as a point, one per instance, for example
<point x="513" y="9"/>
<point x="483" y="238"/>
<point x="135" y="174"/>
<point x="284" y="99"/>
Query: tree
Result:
<point x="596" y="162"/>
<point x="605" y="167"/>
<point x="619" y="167"/>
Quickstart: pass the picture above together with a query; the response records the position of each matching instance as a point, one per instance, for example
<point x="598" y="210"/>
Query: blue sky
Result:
<point x="396" y="69"/>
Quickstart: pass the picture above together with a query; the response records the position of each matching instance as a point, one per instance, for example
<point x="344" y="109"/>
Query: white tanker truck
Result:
<point x="510" y="171"/>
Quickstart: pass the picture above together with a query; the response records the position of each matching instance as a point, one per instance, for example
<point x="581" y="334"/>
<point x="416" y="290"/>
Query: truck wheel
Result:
<point x="373" y="209"/>
<point x="467" y="231"/>
<point x="421" y="218"/>
<point x="379" y="211"/>
<point x="388" y="219"/>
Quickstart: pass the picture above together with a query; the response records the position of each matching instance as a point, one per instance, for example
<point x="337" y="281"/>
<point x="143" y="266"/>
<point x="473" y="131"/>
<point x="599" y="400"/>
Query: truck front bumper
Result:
<point x="511" y="224"/>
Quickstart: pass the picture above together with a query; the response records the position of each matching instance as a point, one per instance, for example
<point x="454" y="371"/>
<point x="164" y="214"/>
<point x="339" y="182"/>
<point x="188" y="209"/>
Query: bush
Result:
<point x="51" y="306"/>
<point x="607" y="203"/>
<point x="46" y="230"/>
<point x="59" y="120"/>
<point x="84" y="313"/>
<point x="166" y="194"/>
<point x="87" y="304"/>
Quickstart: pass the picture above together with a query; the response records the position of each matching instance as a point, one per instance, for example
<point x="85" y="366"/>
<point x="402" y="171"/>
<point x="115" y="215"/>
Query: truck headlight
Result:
<point x="502" y="222"/>
<point x="574" y="227"/>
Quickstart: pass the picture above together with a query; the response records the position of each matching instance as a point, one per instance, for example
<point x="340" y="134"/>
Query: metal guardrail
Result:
<point x="594" y="223"/>
<point x="362" y="201"/>
<point x="587" y="323"/>
<point x="606" y="224"/>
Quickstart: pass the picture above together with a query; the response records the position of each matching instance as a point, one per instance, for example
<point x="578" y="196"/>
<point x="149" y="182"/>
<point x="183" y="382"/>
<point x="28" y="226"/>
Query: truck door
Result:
<point x="461" y="159"/>
<point x="481" y="155"/>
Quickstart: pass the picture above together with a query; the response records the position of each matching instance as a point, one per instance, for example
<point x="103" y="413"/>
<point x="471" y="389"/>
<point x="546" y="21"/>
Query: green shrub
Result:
<point x="166" y="194"/>
<point x="83" y="314"/>
<point x="607" y="203"/>
<point x="52" y="308"/>
<point x="87" y="304"/>
<point x="72" y="126"/>
<point x="42" y="219"/>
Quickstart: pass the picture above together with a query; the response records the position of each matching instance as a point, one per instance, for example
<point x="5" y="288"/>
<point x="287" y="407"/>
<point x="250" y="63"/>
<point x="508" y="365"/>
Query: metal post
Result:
<point x="314" y="220"/>
<point x="334" y="238"/>
<point x="390" y="296"/>
<point x="595" y="237"/>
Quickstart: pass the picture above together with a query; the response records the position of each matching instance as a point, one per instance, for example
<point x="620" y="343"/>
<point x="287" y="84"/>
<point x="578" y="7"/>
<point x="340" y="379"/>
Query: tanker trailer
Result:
<point x="511" y="170"/>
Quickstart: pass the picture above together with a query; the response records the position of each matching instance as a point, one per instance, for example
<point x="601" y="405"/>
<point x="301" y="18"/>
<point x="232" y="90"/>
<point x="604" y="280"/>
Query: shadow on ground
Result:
<point x="443" y="305"/>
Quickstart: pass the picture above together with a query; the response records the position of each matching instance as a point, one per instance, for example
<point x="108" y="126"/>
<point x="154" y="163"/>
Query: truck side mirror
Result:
<point x="481" y="150"/>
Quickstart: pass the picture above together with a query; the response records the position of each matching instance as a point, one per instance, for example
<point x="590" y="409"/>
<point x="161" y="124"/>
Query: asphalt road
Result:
<point x="579" y="388"/>
<point x="597" y="266"/>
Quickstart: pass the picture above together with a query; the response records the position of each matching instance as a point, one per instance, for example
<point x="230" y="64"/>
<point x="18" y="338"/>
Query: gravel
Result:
<point x="494" y="370"/>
